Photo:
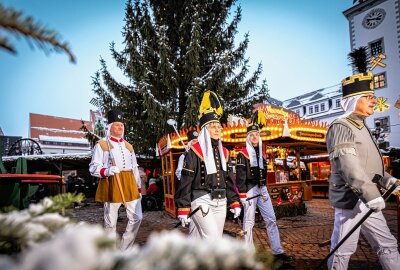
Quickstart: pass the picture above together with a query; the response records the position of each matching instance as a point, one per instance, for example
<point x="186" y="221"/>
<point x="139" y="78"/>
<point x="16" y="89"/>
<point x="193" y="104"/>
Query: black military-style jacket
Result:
<point x="195" y="182"/>
<point x="246" y="176"/>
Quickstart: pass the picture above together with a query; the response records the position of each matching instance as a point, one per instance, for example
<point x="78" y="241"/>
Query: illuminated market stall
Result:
<point x="286" y="139"/>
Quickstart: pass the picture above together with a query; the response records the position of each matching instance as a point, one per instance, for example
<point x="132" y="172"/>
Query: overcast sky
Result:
<point x="302" y="45"/>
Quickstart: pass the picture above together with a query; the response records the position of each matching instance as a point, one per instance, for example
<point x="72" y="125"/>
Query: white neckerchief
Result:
<point x="349" y="105"/>
<point x="208" y="154"/>
<point x="187" y="147"/>
<point x="252" y="153"/>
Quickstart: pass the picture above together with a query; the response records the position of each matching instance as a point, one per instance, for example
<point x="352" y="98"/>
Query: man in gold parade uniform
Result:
<point x="119" y="179"/>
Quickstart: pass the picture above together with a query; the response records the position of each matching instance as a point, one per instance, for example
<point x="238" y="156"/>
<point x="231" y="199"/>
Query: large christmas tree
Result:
<point x="174" y="50"/>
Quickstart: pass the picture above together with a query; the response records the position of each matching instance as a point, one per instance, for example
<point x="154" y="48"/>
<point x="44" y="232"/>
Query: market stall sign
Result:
<point x="240" y="135"/>
<point x="277" y="113"/>
<point x="309" y="134"/>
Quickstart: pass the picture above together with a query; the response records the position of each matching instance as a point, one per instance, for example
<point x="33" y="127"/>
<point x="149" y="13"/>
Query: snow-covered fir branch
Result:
<point x="51" y="241"/>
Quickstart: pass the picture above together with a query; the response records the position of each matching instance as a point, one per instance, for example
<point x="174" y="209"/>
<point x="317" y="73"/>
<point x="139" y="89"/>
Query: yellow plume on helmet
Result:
<point x="257" y="121"/>
<point x="210" y="103"/>
<point x="261" y="120"/>
<point x="210" y="108"/>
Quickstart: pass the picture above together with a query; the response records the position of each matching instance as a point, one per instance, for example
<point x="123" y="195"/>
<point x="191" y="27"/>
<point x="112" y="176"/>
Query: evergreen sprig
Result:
<point x="22" y="229"/>
<point x="14" y="22"/>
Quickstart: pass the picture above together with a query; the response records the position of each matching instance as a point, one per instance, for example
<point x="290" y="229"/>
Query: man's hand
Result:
<point x="184" y="219"/>
<point x="377" y="204"/>
<point x="111" y="171"/>
<point x="236" y="212"/>
<point x="391" y="182"/>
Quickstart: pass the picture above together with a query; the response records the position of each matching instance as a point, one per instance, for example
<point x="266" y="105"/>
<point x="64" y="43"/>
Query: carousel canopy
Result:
<point x="284" y="129"/>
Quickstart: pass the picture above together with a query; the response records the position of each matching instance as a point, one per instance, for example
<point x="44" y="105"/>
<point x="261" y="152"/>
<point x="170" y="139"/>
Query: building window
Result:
<point x="298" y="112"/>
<point x="316" y="107"/>
<point x="376" y="47"/>
<point x="310" y="110"/>
<point x="380" y="80"/>
<point x="338" y="103"/>
<point x="384" y="123"/>
<point x="322" y="107"/>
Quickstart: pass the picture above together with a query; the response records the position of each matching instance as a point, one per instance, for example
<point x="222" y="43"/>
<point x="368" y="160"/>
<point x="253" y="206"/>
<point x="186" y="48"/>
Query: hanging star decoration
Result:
<point x="381" y="104"/>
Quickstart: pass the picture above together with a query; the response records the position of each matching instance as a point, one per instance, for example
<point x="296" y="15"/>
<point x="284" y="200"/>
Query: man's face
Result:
<point x="365" y="105"/>
<point x="117" y="129"/>
<point x="254" y="138"/>
<point x="215" y="130"/>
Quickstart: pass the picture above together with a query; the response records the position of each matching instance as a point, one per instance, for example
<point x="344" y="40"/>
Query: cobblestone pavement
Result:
<point x="300" y="235"/>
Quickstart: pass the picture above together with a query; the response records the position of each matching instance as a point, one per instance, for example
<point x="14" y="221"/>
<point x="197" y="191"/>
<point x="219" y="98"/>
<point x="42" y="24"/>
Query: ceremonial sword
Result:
<point x="385" y="196"/>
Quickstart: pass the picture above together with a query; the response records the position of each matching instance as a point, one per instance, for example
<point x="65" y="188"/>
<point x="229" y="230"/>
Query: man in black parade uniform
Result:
<point x="252" y="181"/>
<point x="205" y="184"/>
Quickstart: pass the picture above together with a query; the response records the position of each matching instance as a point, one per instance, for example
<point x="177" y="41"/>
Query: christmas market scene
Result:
<point x="194" y="134"/>
<point x="285" y="133"/>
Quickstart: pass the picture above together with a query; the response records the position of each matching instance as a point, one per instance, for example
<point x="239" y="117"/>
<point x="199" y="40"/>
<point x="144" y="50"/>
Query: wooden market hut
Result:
<point x="285" y="134"/>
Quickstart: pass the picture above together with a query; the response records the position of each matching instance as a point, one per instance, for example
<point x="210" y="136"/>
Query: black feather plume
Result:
<point x="358" y="59"/>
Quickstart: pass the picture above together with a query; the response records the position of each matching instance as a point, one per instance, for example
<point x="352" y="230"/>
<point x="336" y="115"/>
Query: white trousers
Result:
<point x="212" y="224"/>
<point x="267" y="212"/>
<point x="193" y="232"/>
<point x="374" y="229"/>
<point x="134" y="214"/>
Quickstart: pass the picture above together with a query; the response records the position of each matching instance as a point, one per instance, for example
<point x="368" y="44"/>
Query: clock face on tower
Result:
<point x="374" y="18"/>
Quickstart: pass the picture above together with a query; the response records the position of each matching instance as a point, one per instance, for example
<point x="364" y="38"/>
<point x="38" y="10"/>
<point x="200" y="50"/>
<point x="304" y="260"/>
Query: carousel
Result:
<point x="286" y="139"/>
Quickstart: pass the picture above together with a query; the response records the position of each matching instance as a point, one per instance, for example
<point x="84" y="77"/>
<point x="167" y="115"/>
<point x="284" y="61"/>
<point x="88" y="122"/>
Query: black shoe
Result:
<point x="283" y="257"/>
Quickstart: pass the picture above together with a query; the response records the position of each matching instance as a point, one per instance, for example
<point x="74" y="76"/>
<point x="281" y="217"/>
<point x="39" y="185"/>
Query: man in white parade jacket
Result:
<point x="357" y="169"/>
<point x="126" y="167"/>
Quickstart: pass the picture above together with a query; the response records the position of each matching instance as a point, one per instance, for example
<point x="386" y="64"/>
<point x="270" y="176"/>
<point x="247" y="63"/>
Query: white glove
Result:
<point x="243" y="201"/>
<point x="111" y="171"/>
<point x="184" y="219"/>
<point x="391" y="182"/>
<point x="236" y="212"/>
<point x="376" y="204"/>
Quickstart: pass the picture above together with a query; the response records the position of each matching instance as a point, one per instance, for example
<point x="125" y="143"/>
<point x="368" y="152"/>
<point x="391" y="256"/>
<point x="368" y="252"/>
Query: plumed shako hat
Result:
<point x="362" y="82"/>
<point x="210" y="109"/>
<point x="257" y="122"/>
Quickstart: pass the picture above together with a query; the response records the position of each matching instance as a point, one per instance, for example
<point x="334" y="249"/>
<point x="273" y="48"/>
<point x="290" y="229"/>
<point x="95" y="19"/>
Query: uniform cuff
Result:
<point x="102" y="170"/>
<point x="235" y="205"/>
<point x="242" y="195"/>
<point x="183" y="211"/>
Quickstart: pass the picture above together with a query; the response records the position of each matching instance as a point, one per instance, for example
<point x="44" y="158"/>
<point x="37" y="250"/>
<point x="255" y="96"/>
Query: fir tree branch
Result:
<point x="13" y="22"/>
